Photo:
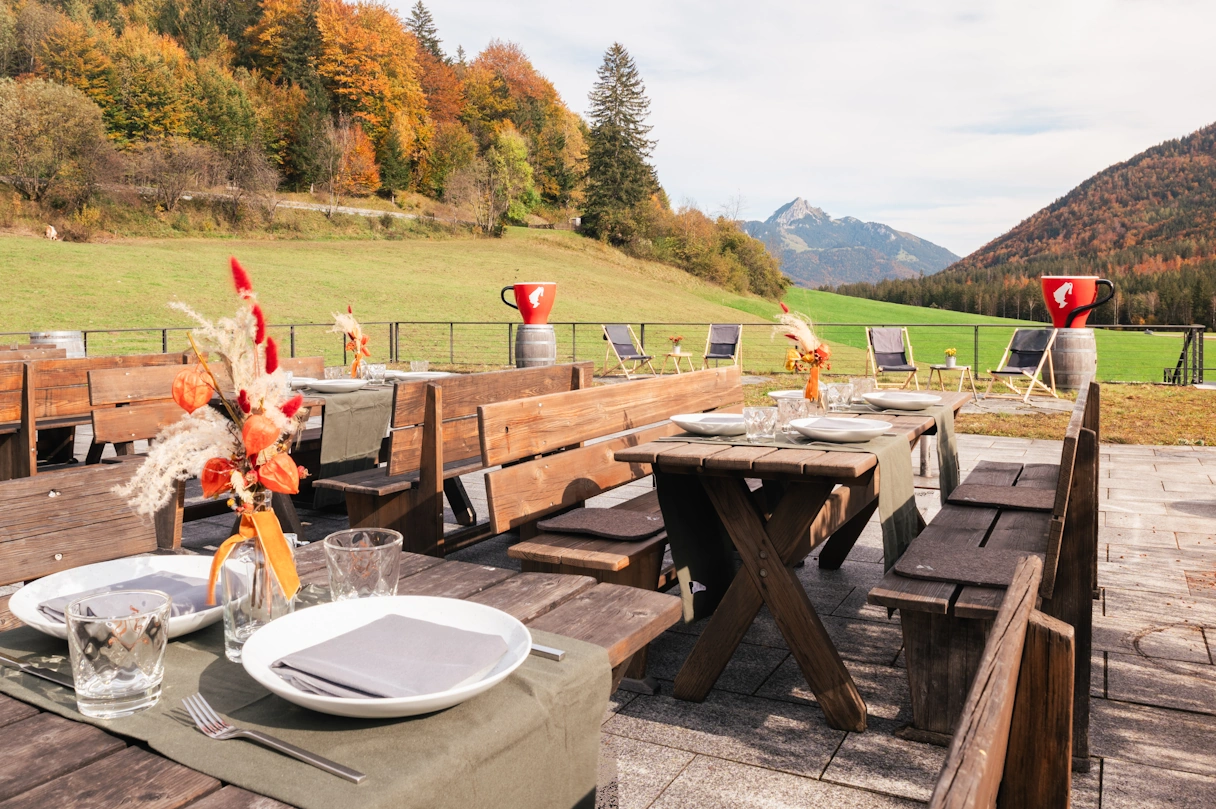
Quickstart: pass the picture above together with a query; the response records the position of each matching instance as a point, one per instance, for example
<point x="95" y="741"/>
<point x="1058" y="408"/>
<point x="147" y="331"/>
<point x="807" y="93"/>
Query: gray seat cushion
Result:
<point x="609" y="523"/>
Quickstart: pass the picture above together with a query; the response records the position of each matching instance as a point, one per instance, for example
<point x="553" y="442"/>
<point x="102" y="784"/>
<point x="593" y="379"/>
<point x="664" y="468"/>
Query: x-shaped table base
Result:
<point x="769" y="549"/>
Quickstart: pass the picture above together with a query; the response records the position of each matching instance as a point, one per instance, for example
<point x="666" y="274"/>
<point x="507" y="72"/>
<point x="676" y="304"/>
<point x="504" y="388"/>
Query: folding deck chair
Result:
<point x="1028" y="352"/>
<point x="623" y="344"/>
<point x="890" y="351"/>
<point x="724" y="342"/>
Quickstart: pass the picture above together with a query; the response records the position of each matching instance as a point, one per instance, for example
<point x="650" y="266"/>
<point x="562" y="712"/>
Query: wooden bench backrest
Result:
<point x="61" y="520"/>
<point x="133" y="404"/>
<point x="462" y="395"/>
<point x="61" y="387"/>
<point x="33" y="353"/>
<point x="524" y="492"/>
<point x="1013" y="743"/>
<point x="1075" y="487"/>
<point x="529" y="427"/>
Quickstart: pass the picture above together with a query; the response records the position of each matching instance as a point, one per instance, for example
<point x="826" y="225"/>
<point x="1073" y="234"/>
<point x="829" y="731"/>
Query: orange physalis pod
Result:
<point x="280" y="474"/>
<point x="258" y="433"/>
<point x="191" y="389"/>
<point x="216" y="476"/>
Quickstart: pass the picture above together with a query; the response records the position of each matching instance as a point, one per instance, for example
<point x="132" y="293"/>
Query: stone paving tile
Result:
<point x="1087" y="787"/>
<point x="747" y="670"/>
<point x="1143" y="507"/>
<point x="619" y="699"/>
<point x="1140" y="635"/>
<point x="880" y="761"/>
<point x="1159" y="522"/>
<point x="1163" y="683"/>
<point x="1129" y="785"/>
<point x="633" y="773"/>
<point x="1192" y="506"/>
<point x="1195" y="541"/>
<point x="884" y="688"/>
<point x="1137" y="569"/>
<point x="1130" y="537"/>
<point x="1158" y="737"/>
<point x="855" y="606"/>
<point x="864" y="641"/>
<point x="710" y="783"/>
<point x="764" y="732"/>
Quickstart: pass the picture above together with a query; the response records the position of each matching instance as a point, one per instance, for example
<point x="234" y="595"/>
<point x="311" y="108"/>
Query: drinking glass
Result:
<point x="790" y="409"/>
<point x="363" y="562"/>
<point x="840" y="396"/>
<point x="337" y="372"/>
<point x="761" y="422"/>
<point x="862" y="385"/>
<point x="375" y="372"/>
<point x="117" y="645"/>
<point x="288" y="377"/>
<point x="419" y="366"/>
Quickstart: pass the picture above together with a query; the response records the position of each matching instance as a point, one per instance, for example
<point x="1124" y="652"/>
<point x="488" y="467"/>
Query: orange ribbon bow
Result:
<point x="264" y="527"/>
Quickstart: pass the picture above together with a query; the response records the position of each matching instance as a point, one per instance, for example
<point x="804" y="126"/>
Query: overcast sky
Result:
<point x="949" y="119"/>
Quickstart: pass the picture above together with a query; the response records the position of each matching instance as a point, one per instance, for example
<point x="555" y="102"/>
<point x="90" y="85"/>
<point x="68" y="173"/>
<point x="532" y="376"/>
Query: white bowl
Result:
<point x="415" y="376"/>
<point x="310" y="626"/>
<point x="337" y="385"/>
<point x="840" y="430"/>
<point x="787" y="394"/>
<point x="901" y="400"/>
<point x="24" y="603"/>
<point x="711" y="423"/>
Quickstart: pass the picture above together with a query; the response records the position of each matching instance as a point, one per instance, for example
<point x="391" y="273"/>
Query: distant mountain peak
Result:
<point x="795" y="211"/>
<point x="817" y="250"/>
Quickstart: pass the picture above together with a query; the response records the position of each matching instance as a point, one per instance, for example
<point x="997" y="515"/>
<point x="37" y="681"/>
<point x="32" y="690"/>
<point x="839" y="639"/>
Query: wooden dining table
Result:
<point x="51" y="760"/>
<point x="772" y="534"/>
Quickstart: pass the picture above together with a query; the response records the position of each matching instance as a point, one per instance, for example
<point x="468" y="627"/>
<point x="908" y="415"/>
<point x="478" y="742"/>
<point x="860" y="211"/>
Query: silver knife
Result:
<point x="49" y="675"/>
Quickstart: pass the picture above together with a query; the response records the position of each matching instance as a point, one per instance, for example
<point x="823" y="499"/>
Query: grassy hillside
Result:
<point x="127" y="284"/>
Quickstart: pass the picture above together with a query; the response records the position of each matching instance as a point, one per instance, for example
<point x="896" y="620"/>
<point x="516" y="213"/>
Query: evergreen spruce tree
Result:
<point x="618" y="177"/>
<point x="423" y="26"/>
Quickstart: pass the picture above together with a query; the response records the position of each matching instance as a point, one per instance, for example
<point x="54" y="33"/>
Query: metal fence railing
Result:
<point x="1170" y="354"/>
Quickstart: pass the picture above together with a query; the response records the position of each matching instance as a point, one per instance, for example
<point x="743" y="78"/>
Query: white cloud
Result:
<point x="952" y="119"/>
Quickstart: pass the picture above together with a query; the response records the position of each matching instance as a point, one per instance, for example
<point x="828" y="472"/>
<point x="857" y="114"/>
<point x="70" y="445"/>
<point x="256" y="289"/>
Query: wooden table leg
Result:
<point x="770" y="574"/>
<point x="458" y="499"/>
<point x="837" y="548"/>
<point x="719" y="639"/>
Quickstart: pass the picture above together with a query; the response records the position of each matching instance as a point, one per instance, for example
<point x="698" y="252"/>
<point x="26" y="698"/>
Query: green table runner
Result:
<point x="947" y="447"/>
<point x="353" y="427"/>
<point x="698" y="554"/>
<point x="531" y="741"/>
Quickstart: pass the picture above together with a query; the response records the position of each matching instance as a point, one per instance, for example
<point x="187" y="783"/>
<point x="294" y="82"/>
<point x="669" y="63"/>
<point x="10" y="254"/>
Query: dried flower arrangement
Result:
<point x="808" y="352"/>
<point x="356" y="340"/>
<point x="242" y="448"/>
<point x="676" y="339"/>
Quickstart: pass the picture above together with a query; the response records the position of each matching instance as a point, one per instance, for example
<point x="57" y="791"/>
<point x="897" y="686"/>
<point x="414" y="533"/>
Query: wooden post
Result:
<point x="25" y="451"/>
<point x="1038" y="763"/>
<point x="169" y="520"/>
<point x="425" y="520"/>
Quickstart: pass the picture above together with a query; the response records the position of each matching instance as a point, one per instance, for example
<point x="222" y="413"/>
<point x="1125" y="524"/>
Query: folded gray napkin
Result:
<point x="188" y="594"/>
<point x="392" y="657"/>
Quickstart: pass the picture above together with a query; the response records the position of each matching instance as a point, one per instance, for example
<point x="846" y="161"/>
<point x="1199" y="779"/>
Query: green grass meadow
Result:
<point x="128" y="285"/>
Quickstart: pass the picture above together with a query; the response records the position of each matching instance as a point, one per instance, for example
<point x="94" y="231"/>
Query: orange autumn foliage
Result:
<point x="358" y="175"/>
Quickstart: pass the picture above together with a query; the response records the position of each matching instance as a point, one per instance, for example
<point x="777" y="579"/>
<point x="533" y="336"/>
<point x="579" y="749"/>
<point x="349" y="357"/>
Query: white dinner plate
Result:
<point x="24" y="603"/>
<point x="336" y="385"/>
<point x="901" y="400"/>
<point x="301" y="382"/>
<point x="311" y="626"/>
<point x="840" y="430"/>
<point x="787" y="394"/>
<point x="711" y="423"/>
<point x="415" y="376"/>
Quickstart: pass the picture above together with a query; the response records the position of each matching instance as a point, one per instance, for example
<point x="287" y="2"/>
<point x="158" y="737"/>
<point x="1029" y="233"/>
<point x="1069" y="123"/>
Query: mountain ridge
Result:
<point x="817" y="250"/>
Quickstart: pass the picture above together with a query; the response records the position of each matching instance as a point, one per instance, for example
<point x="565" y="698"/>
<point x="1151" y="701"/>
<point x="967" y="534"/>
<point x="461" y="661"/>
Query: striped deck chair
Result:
<point x="1028" y="354"/>
<point x="890" y="351"/>
<point x="623" y="344"/>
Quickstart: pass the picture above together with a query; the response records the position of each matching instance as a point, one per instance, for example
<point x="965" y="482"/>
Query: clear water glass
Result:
<point x="117" y="646"/>
<point x="419" y="366"/>
<point x="288" y="377"/>
<point x="337" y="372"/>
<point x="863" y="385"/>
<point x="761" y="422"/>
<point x="363" y="562"/>
<point x="789" y="409"/>
<point x="252" y="596"/>
<point x="840" y="396"/>
<point x="375" y="372"/>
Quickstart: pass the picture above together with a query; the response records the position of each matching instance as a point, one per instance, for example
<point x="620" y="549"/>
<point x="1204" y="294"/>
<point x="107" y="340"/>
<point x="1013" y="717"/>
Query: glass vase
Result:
<point x="252" y="596"/>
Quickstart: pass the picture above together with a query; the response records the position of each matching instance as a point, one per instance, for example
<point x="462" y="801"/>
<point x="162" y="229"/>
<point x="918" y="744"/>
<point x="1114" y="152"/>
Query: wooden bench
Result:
<point x="44" y="400"/>
<point x="949" y="583"/>
<point x="1013" y="744"/>
<point x="64" y="519"/>
<point x="434" y="440"/>
<point x="32" y="352"/>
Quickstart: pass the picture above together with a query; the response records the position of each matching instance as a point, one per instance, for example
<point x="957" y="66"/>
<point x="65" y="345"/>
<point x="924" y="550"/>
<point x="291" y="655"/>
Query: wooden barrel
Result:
<point x="1075" y="356"/>
<point x="535" y="346"/>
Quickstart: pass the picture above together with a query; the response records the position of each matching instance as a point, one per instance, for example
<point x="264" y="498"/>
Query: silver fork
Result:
<point x="213" y="725"/>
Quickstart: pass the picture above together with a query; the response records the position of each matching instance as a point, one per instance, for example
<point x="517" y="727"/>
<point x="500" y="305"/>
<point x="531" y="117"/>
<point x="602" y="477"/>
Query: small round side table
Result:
<point x="964" y="373"/>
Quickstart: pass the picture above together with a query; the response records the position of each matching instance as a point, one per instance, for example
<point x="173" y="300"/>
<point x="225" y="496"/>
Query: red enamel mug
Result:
<point x="533" y="299"/>
<point x="1070" y="298"/>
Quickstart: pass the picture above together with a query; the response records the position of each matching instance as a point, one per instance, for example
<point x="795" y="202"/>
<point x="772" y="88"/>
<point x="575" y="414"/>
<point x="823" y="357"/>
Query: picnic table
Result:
<point x="798" y="483"/>
<point x="54" y="760"/>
